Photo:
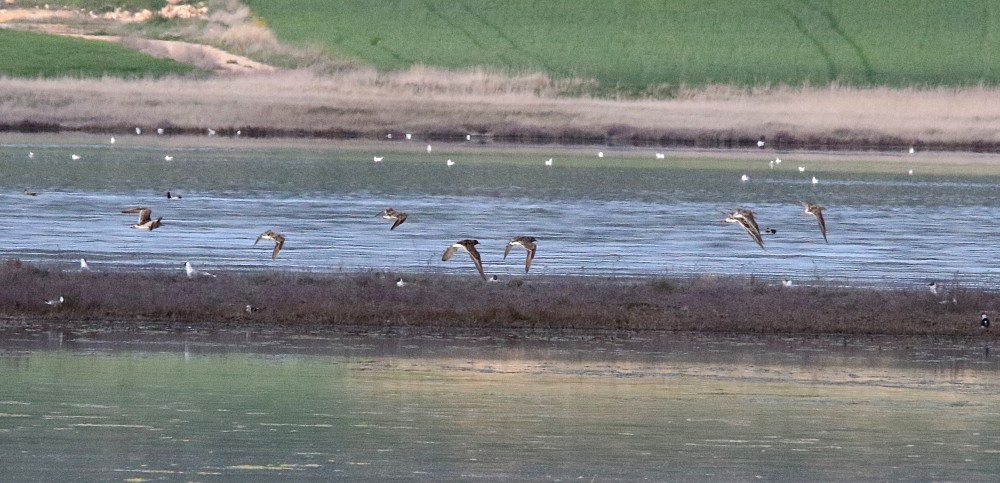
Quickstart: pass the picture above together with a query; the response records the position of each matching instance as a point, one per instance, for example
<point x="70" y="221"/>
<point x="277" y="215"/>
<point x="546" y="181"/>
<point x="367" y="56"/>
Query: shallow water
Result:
<point x="251" y="406"/>
<point x="896" y="230"/>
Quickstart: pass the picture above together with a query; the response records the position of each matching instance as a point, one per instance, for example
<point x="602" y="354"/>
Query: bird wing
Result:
<point x="400" y="218"/>
<point x="531" y="256"/>
<point x="144" y="215"/>
<point x="475" y="258"/>
<point x="449" y="252"/>
<point x="510" y="244"/>
<point x="752" y="229"/>
<point x="822" y="224"/>
<point x="279" y="242"/>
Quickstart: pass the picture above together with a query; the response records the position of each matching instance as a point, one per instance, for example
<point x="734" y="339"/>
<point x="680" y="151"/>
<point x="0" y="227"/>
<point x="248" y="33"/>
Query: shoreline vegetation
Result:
<point x="441" y="105"/>
<point x="306" y="302"/>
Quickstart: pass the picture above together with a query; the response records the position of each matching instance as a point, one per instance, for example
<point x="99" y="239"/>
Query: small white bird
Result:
<point x="192" y="273"/>
<point x="933" y="288"/>
<point x="400" y="283"/>
<point x="786" y="283"/>
<point x="770" y="164"/>
<point x="777" y="160"/>
<point x="168" y="158"/>
<point x="912" y="150"/>
<point x="468" y="137"/>
<point x="84" y="266"/>
<point x="814" y="180"/>
<point x="548" y="162"/>
<point x="911" y="172"/>
<point x="238" y="133"/>
<point x="112" y="139"/>
<point x="802" y="169"/>
<point x="744" y="178"/>
<point x="211" y="132"/>
<point x="409" y="136"/>
<point x="429" y="148"/>
<point x="31" y="154"/>
<point x="660" y="156"/>
<point x="388" y="136"/>
<point x="74" y="157"/>
<point x="378" y="159"/>
<point x="138" y="131"/>
<point x="760" y="143"/>
<point x="450" y="163"/>
<point x="159" y="131"/>
<point x="55" y="302"/>
<point x="600" y="154"/>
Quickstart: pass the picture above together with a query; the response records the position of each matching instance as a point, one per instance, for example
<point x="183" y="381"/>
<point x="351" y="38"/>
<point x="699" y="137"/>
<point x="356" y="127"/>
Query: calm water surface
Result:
<point x="251" y="406"/>
<point x="884" y="229"/>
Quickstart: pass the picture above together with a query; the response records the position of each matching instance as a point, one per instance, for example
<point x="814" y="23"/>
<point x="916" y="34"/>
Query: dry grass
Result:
<point x="442" y="104"/>
<point x="300" y="300"/>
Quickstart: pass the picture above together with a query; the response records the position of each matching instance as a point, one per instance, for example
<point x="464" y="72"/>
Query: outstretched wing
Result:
<point x="449" y="252"/>
<point x="475" y="258"/>
<point x="822" y="224"/>
<point x="531" y="256"/>
<point x="400" y="218"/>
<point x="279" y="243"/>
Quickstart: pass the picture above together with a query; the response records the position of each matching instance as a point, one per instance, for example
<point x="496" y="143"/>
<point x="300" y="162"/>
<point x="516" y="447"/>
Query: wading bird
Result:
<point x="277" y="238"/>
<point x="745" y="218"/>
<point x="391" y="214"/>
<point x="526" y="242"/>
<point x="145" y="223"/>
<point x="470" y="247"/>
<point x="817" y="211"/>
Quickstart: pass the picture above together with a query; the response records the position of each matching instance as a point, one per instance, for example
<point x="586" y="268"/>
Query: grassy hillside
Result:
<point x="28" y="54"/>
<point x="637" y="43"/>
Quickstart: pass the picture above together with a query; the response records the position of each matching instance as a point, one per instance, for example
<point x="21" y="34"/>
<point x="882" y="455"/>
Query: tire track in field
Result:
<point x="831" y="66"/>
<point x="456" y="26"/>
<point x="503" y="35"/>
<point x="866" y="64"/>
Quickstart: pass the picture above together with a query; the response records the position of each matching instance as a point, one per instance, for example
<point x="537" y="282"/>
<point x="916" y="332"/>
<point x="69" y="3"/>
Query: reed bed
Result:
<point x="436" y="104"/>
<point x="303" y="301"/>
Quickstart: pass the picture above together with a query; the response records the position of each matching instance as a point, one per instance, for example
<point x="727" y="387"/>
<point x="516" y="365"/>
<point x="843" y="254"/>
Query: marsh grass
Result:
<point x="297" y="300"/>
<point x="447" y="105"/>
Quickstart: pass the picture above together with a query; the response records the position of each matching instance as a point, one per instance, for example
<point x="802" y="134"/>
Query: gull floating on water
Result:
<point x="112" y="139"/>
<point x="74" y="157"/>
<point x="84" y="266"/>
<point x="600" y="154"/>
<point x="391" y="214"/>
<point x="802" y="168"/>
<point x="816" y="211"/>
<point x="660" y="156"/>
<point x="31" y="154"/>
<point x="548" y="162"/>
<point x="911" y="172"/>
<point x="168" y="158"/>
<point x="429" y="148"/>
<point x="31" y="193"/>
<point x="777" y="160"/>
<point x="449" y="163"/>
<point x="277" y="238"/>
<point x="470" y="247"/>
<point x="814" y="180"/>
<point x="744" y="178"/>
<point x="378" y="159"/>
<point x="145" y="222"/>
<point x="192" y="273"/>
<point x="525" y="242"/>
<point x="746" y="219"/>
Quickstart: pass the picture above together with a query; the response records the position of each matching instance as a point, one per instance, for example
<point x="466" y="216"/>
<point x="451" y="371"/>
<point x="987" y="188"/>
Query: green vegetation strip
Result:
<point x="29" y="54"/>
<point x="636" y="45"/>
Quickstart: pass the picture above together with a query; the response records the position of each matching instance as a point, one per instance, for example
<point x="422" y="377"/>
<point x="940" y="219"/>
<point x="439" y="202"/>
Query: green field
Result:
<point x="28" y="54"/>
<point x="634" y="43"/>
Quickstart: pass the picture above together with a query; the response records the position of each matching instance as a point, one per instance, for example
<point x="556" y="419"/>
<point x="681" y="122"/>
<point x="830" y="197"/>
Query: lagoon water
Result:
<point x="885" y="229"/>
<point x="203" y="406"/>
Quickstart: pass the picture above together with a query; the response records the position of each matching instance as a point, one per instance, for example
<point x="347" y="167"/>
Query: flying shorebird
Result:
<point x="277" y="238"/>
<point x="526" y="242"/>
<point x="84" y="266"/>
<point x="192" y="273"/>
<point x="745" y="218"/>
<point x="817" y="211"/>
<point x="145" y="222"/>
<point x="173" y="197"/>
<point x="391" y="214"/>
<point x="470" y="247"/>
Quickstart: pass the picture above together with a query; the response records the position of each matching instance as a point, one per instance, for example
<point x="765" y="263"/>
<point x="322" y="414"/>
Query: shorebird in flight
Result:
<point x="745" y="218"/>
<point x="470" y="247"/>
<point x="145" y="223"/>
<point x="526" y="242"/>
<point x="192" y="273"/>
<point x="84" y="266"/>
<point x="817" y="211"/>
<point x="391" y="214"/>
<point x="277" y="238"/>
